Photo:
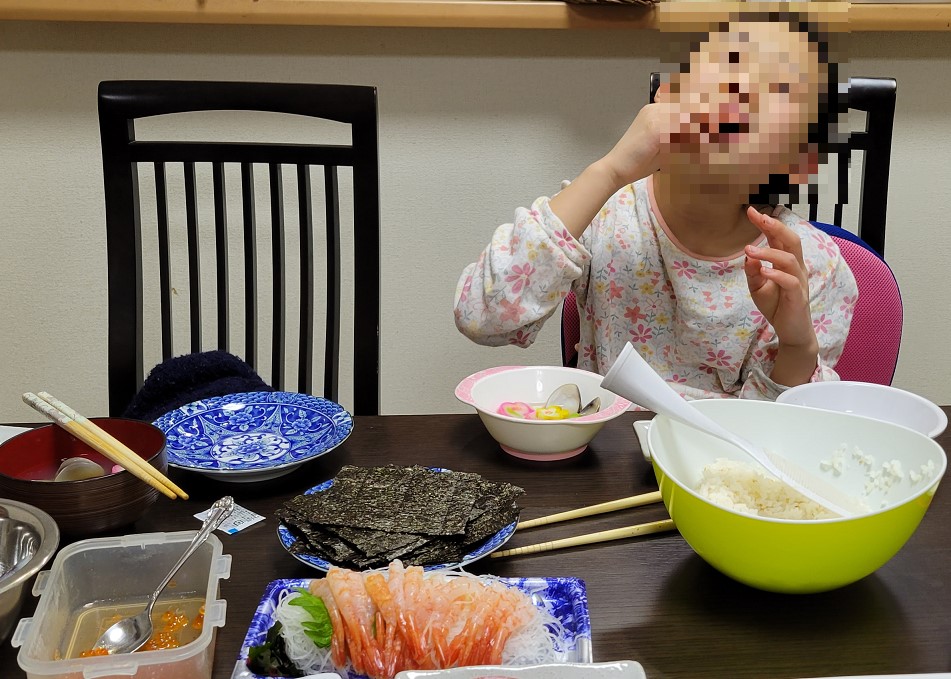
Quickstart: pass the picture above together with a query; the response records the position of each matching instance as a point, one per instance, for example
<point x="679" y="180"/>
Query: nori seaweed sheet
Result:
<point x="437" y="550"/>
<point x="494" y="510"/>
<point x="375" y="542"/>
<point x="399" y="499"/>
<point x="373" y="515"/>
<point x="314" y="540"/>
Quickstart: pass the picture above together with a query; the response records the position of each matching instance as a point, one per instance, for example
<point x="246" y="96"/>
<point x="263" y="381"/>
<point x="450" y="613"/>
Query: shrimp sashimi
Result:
<point x="385" y="622"/>
<point x="338" y="641"/>
<point x="359" y="616"/>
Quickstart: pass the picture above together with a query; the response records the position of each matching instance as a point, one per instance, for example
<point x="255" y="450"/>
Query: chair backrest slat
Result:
<point x="194" y="256"/>
<point x="231" y="152"/>
<point x="250" y="266"/>
<point x="221" y="255"/>
<point x="164" y="260"/>
<point x="332" y="347"/>
<point x="124" y="272"/>
<point x="844" y="170"/>
<point x="277" y="275"/>
<point x="366" y="293"/>
<point x="305" y="206"/>
<point x="123" y="103"/>
<point x="875" y="96"/>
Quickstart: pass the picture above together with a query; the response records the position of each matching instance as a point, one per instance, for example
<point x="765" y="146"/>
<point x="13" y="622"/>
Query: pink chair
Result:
<point x="871" y="349"/>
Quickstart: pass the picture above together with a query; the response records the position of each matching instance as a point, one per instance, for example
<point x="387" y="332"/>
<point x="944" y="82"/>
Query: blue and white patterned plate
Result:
<point x="254" y="436"/>
<point x="565" y="598"/>
<point x="482" y="550"/>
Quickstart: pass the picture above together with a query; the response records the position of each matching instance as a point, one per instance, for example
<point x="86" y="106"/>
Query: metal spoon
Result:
<point x="130" y="634"/>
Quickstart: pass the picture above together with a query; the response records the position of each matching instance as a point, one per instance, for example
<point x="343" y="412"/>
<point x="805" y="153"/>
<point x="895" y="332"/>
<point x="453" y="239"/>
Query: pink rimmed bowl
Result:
<point x="538" y="439"/>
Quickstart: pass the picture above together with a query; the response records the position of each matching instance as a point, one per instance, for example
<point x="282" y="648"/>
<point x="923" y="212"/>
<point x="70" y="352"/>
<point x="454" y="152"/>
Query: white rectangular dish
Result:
<point x="609" y="670"/>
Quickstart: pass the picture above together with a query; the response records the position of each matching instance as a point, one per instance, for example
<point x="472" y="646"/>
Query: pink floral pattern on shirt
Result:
<point x="691" y="318"/>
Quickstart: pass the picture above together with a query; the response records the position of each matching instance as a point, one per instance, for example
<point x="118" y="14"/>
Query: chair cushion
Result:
<point x="840" y="234"/>
<point x="871" y="349"/>
<point x="570" y="330"/>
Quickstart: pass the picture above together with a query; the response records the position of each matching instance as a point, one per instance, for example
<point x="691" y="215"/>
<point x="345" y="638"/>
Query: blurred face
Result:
<point x="751" y="91"/>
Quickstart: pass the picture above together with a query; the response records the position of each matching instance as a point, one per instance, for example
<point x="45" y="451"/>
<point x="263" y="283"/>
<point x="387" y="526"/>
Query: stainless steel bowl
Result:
<point x="28" y="539"/>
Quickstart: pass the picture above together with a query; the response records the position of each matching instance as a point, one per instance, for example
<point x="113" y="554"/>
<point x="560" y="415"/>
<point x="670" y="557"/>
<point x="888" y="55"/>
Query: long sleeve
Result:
<point x="519" y="279"/>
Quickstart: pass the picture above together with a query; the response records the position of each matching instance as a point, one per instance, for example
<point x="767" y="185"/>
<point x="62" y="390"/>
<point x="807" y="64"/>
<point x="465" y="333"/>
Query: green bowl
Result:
<point x="786" y="555"/>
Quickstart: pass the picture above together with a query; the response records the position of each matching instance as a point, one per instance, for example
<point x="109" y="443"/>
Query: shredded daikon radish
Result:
<point x="534" y="643"/>
<point x="308" y="657"/>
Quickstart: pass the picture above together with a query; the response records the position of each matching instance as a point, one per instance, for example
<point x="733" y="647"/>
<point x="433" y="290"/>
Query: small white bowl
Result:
<point x="876" y="401"/>
<point x="538" y="439"/>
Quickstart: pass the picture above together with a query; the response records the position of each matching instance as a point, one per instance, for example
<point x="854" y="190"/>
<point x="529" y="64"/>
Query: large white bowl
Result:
<point x="538" y="439"/>
<point x="788" y="555"/>
<point x="877" y="401"/>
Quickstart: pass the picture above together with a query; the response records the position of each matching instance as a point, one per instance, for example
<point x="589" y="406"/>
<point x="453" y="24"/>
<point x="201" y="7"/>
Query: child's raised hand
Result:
<point x="780" y="292"/>
<point x="659" y="130"/>
<point x="638" y="153"/>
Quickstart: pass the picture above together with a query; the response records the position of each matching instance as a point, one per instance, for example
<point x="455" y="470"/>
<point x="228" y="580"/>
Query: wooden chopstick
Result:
<point x="591" y="538"/>
<point x="591" y="510"/>
<point x="131" y="462"/>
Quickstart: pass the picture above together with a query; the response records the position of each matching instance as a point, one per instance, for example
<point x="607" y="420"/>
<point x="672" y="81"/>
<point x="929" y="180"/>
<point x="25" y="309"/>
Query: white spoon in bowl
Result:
<point x="632" y="378"/>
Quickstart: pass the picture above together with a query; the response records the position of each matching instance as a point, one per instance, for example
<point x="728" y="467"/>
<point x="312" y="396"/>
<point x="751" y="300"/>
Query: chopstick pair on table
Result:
<point x="591" y="538"/>
<point x="102" y="441"/>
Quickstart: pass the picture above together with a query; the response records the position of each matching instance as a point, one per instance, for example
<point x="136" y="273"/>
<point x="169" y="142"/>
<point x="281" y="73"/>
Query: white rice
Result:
<point x="745" y="488"/>
<point x="749" y="489"/>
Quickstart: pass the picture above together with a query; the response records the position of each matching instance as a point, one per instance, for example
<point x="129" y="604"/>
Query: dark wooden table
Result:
<point x="651" y="600"/>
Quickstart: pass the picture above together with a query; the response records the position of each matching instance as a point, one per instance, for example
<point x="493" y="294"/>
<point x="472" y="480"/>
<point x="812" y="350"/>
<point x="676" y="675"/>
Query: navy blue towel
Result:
<point x="192" y="377"/>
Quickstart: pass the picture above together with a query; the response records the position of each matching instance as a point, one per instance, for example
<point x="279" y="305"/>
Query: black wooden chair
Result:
<point x="121" y="104"/>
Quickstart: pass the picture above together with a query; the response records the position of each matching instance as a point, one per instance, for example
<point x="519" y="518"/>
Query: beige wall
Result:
<point x="472" y="124"/>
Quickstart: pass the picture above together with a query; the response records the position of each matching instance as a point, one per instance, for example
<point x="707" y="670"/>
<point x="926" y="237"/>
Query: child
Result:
<point x="660" y="245"/>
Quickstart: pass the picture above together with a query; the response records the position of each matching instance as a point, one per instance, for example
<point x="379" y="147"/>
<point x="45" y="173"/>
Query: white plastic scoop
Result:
<point x="632" y="378"/>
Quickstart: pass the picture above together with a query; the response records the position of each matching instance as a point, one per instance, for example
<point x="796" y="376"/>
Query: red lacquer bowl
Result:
<point x="29" y="461"/>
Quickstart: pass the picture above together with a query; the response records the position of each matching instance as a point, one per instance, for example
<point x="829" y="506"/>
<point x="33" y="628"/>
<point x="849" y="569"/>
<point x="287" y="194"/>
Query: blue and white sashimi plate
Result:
<point x="479" y="551"/>
<point x="254" y="436"/>
<point x="565" y="598"/>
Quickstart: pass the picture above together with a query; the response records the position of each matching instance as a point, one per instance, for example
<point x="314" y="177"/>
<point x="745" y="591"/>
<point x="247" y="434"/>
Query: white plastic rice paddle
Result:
<point x="632" y="378"/>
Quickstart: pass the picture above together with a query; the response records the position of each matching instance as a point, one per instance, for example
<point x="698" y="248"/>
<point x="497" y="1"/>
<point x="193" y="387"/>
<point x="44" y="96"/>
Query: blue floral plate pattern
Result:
<point x="482" y="550"/>
<point x="565" y="598"/>
<point x="253" y="436"/>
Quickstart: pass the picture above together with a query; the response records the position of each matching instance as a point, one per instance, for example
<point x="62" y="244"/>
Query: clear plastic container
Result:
<point x="103" y="572"/>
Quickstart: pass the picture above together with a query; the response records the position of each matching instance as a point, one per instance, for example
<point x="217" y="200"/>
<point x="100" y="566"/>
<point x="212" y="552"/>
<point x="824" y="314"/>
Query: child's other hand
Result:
<point x="781" y="292"/>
